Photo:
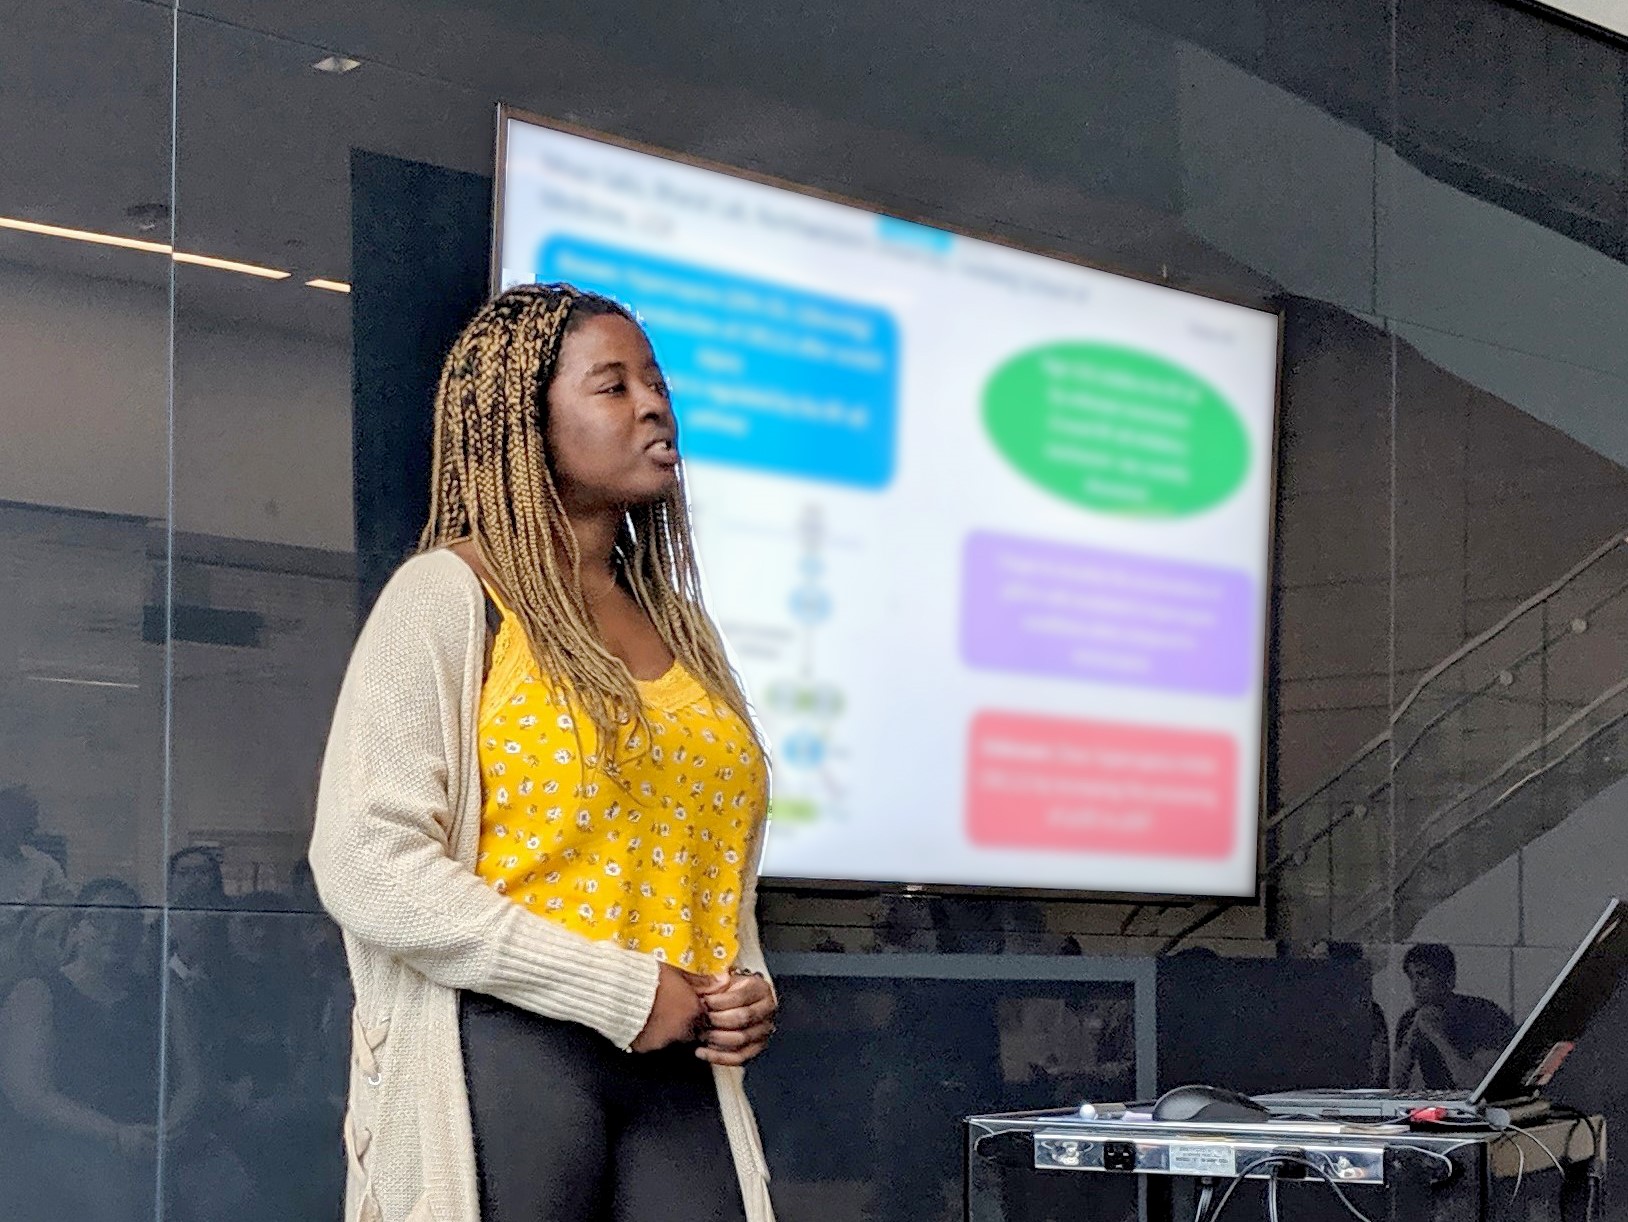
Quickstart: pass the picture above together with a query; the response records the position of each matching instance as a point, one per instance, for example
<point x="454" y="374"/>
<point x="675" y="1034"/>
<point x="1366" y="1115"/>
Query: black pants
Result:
<point x="568" y="1128"/>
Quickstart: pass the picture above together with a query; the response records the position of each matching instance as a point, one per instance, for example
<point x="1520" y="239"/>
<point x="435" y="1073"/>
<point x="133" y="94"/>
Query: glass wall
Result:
<point x="234" y="242"/>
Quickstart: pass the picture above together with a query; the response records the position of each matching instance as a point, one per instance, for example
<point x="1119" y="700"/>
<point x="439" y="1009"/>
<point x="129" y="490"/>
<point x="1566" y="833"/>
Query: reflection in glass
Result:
<point x="1434" y="781"/>
<point x="917" y="1055"/>
<point x="1445" y="1040"/>
<point x="80" y="1114"/>
<point x="267" y="988"/>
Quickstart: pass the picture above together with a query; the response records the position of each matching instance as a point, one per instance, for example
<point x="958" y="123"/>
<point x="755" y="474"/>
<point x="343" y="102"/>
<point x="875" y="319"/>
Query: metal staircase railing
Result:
<point x="1503" y="725"/>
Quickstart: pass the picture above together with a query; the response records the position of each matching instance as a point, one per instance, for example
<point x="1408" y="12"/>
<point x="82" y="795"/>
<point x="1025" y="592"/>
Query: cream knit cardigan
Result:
<point x="393" y="852"/>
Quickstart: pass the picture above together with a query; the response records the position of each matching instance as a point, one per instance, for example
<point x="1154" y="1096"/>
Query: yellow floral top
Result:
<point x="650" y="857"/>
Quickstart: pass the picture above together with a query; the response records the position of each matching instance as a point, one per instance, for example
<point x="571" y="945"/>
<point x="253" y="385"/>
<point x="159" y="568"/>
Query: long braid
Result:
<point x="491" y="485"/>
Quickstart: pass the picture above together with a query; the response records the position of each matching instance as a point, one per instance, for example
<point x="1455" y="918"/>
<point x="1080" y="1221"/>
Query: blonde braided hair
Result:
<point x="491" y="485"/>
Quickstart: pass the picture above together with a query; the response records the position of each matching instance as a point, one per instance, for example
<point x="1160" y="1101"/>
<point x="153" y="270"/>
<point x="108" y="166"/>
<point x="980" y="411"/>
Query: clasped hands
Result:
<point x="731" y="1016"/>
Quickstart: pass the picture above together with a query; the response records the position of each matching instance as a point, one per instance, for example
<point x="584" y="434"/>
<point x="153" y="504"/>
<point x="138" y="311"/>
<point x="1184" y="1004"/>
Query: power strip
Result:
<point x="1205" y="1155"/>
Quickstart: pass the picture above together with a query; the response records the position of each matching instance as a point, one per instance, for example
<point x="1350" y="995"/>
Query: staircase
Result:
<point x="1494" y="746"/>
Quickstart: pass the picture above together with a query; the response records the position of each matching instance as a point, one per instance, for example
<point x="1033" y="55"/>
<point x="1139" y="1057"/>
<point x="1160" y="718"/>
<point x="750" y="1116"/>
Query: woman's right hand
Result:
<point x="675" y="1015"/>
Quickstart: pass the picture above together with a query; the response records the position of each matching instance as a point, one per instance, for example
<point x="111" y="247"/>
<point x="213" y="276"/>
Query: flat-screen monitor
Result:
<point x="986" y="531"/>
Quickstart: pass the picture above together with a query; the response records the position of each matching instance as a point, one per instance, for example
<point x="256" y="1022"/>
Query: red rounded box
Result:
<point x="1055" y="783"/>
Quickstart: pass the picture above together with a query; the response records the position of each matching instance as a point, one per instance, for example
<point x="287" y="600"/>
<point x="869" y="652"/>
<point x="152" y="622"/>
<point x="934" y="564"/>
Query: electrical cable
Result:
<point x="1440" y="1156"/>
<point x="1206" y="1213"/>
<point x="1596" y="1167"/>
<point x="1596" y="1162"/>
<point x="1539" y="1142"/>
<point x="1510" y="1132"/>
<point x="1297" y="1160"/>
<point x="1520" y="1167"/>
<point x="1206" y="1194"/>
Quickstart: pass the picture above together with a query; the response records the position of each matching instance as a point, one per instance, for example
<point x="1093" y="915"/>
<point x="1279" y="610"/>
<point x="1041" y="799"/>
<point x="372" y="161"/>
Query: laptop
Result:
<point x="1511" y="1089"/>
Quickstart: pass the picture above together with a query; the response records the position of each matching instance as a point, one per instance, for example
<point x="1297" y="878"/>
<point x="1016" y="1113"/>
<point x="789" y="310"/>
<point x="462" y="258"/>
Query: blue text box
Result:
<point x="763" y="376"/>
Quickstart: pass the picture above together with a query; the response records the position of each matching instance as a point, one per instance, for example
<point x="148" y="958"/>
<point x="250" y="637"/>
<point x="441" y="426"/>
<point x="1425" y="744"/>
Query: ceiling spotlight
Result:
<point x="337" y="64"/>
<point x="333" y="286"/>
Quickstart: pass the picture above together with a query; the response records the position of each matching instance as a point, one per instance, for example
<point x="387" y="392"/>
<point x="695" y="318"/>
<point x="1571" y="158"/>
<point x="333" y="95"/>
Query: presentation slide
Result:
<point x="986" y="532"/>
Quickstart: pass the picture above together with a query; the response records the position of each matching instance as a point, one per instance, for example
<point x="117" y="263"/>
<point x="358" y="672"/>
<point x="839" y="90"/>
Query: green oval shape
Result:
<point x="1116" y="430"/>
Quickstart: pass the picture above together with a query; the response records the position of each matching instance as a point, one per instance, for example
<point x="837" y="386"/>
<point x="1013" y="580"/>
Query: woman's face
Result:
<point x="612" y="438"/>
<point x="108" y="939"/>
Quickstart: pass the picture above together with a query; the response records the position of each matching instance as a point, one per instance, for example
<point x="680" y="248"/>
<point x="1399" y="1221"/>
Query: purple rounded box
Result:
<point x="1043" y="608"/>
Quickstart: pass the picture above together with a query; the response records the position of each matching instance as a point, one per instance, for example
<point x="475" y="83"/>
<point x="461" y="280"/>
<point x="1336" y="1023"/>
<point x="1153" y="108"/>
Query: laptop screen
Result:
<point x="1549" y="1033"/>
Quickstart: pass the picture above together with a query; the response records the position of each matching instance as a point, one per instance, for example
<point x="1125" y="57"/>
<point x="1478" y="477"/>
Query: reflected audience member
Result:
<point x="904" y="926"/>
<point x="197" y="950"/>
<point x="1446" y="1040"/>
<point x="28" y="878"/>
<point x="275" y="1108"/>
<point x="79" y="1078"/>
<point x="197" y="878"/>
<point x="1074" y="1046"/>
<point x="934" y="1064"/>
<point x="322" y="949"/>
<point x="1379" y="1031"/>
<point x="1065" y="1049"/>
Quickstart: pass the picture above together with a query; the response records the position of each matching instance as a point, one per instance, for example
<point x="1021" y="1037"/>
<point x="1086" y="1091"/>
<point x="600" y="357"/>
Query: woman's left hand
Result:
<point x="740" y="1020"/>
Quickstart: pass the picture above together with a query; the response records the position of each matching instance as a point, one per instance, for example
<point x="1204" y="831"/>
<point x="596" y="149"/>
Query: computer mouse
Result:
<point x="1207" y="1103"/>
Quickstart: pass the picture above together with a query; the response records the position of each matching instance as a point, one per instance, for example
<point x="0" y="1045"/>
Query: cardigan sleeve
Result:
<point x="380" y="850"/>
<point x="751" y="945"/>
